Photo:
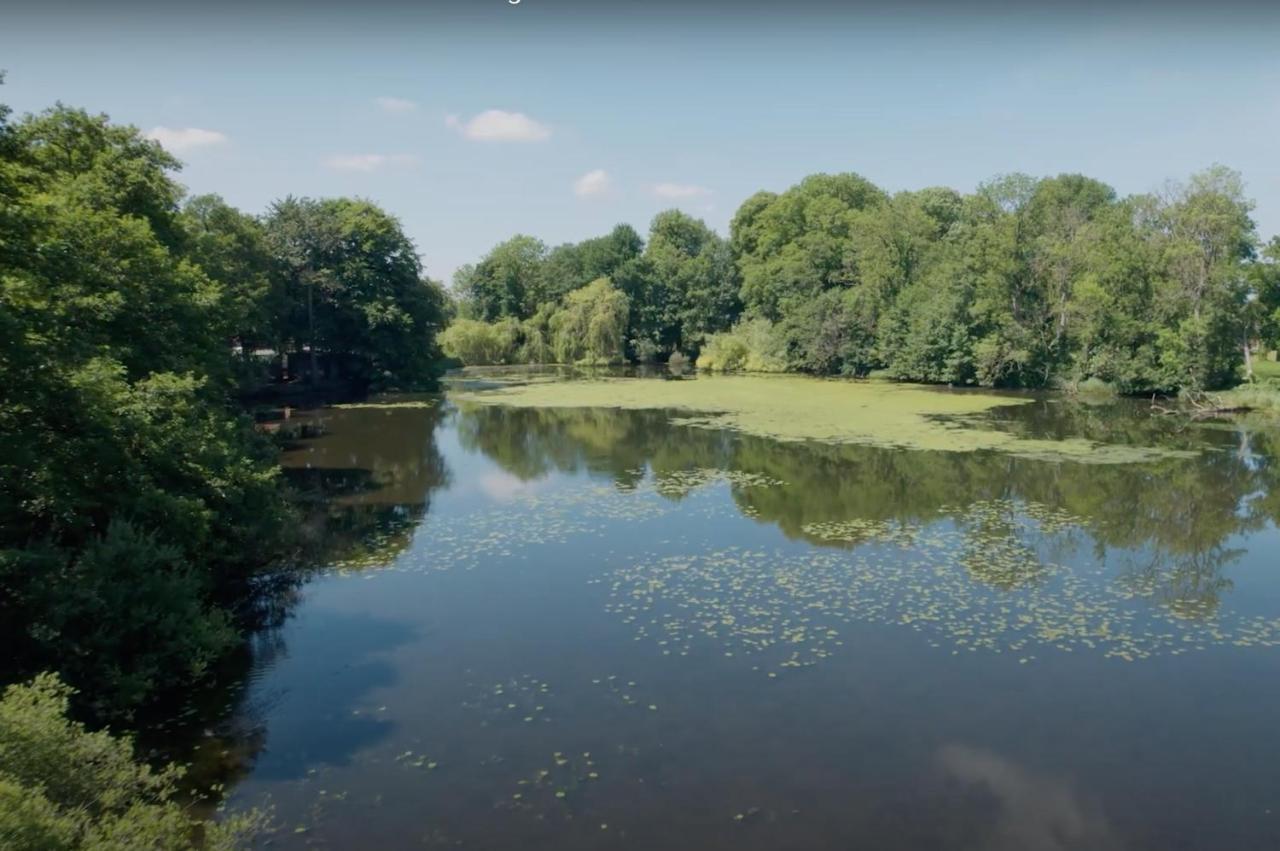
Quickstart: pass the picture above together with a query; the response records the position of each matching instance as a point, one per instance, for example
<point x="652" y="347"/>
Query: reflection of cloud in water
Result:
<point x="1031" y="812"/>
<point x="504" y="487"/>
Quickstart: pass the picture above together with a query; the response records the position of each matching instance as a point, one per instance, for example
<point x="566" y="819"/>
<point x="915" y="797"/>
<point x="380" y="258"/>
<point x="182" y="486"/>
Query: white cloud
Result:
<point x="390" y="104"/>
<point x="367" y="162"/>
<point x="504" y="487"/>
<point x="496" y="125"/>
<point x="592" y="183"/>
<point x="185" y="138"/>
<point x="679" y="191"/>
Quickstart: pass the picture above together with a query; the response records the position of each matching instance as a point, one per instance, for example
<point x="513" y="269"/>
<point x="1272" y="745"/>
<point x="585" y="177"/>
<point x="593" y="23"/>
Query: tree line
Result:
<point x="1023" y="283"/>
<point x="138" y="505"/>
<point x="141" y="512"/>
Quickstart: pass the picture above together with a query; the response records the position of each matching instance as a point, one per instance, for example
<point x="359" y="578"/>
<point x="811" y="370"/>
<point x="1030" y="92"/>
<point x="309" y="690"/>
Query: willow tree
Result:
<point x="591" y="328"/>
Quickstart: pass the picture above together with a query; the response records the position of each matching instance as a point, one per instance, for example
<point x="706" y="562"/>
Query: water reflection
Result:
<point x="368" y="472"/>
<point x="366" y="477"/>
<point x="1184" y="541"/>
<point x="648" y="643"/>
<point x="1026" y="811"/>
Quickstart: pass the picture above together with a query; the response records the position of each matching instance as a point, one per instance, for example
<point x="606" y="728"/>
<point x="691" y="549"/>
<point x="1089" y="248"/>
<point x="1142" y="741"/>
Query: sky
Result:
<point x="474" y="120"/>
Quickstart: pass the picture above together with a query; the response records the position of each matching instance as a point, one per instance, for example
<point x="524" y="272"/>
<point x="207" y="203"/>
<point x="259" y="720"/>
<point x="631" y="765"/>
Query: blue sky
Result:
<point x="472" y="121"/>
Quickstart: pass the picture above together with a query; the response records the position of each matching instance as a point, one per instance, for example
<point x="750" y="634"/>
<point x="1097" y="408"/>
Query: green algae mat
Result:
<point x="872" y="413"/>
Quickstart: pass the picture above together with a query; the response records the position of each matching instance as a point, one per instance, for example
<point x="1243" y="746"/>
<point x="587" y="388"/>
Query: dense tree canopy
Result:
<point x="1024" y="283"/>
<point x="138" y="506"/>
<point x="356" y="289"/>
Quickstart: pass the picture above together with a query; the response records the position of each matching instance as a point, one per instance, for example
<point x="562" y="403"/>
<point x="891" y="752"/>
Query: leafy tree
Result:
<point x="63" y="787"/>
<point x="1265" y="284"/>
<point x="794" y="245"/>
<point x="834" y="334"/>
<point x="693" y="288"/>
<point x="591" y="327"/>
<point x="357" y="289"/>
<point x="509" y="281"/>
<point x="136" y="509"/>
<point x="231" y="248"/>
<point x="572" y="266"/>
<point x="753" y="345"/>
<point x="928" y="334"/>
<point x="92" y="268"/>
<point x="1204" y="234"/>
<point x="477" y="343"/>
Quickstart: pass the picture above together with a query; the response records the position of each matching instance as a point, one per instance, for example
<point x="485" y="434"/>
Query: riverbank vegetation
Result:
<point x="143" y="513"/>
<point x="64" y="787"/>
<point x="1024" y="283"/>
<point x="140" y="506"/>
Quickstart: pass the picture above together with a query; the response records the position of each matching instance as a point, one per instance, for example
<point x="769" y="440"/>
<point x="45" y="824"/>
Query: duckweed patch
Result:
<point x="536" y="519"/>
<point x="518" y="700"/>
<point x="797" y="408"/>
<point x="387" y="404"/>
<point x="987" y="583"/>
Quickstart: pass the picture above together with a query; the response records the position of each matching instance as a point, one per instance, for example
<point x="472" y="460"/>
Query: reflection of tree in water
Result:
<point x="366" y="479"/>
<point x="1190" y="585"/>
<point x="1121" y="506"/>
<point x="994" y="552"/>
<point x="531" y="442"/>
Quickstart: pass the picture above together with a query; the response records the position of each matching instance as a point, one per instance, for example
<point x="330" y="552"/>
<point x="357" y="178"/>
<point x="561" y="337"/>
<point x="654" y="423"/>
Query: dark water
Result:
<point x="570" y="629"/>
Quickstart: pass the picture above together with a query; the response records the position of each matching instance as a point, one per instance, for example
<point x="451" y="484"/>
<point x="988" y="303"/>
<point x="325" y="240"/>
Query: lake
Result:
<point x="755" y="615"/>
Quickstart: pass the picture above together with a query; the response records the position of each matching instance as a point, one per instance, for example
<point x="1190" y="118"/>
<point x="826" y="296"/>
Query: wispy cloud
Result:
<point x="398" y="105"/>
<point x="679" y="191"/>
<point x="591" y="184"/>
<point x="504" y="487"/>
<point x="368" y="162"/>
<point x="496" y="125"/>
<point x="185" y="138"/>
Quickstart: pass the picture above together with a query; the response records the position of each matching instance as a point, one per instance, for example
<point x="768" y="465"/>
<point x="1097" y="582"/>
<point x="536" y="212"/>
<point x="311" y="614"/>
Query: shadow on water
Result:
<point x="318" y="687"/>
<point x="365" y="477"/>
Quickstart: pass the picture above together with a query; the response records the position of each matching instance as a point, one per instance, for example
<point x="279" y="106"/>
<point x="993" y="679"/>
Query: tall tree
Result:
<point x="509" y="281"/>
<point x="358" y="288"/>
<point x="794" y="245"/>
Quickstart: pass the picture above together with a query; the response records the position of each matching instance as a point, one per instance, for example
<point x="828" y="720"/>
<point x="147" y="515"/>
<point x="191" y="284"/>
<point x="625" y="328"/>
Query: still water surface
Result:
<point x="590" y="628"/>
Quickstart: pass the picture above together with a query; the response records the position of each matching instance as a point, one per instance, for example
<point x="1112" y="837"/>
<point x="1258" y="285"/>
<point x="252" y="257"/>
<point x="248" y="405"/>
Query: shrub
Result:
<point x="751" y="345"/>
<point x="591" y="328"/>
<point x="832" y="334"/>
<point x="477" y="343"/>
<point x="63" y="787"/>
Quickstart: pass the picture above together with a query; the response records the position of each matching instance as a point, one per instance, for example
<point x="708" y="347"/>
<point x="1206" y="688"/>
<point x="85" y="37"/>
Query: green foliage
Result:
<point x="356" y="289"/>
<point x="130" y="508"/>
<point x="478" y="343"/>
<point x="509" y="281"/>
<point x="63" y="787"/>
<point x="792" y="246"/>
<point x="591" y="328"/>
<point x="231" y="248"/>
<point x="752" y="345"/>
<point x="692" y="290"/>
<point x="927" y="337"/>
<point x="832" y="334"/>
<point x="136" y="508"/>
<point x="573" y="266"/>
<point x="535" y="337"/>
